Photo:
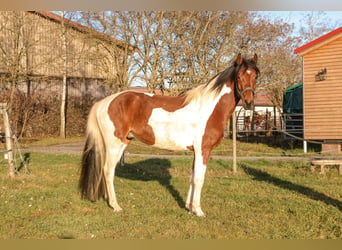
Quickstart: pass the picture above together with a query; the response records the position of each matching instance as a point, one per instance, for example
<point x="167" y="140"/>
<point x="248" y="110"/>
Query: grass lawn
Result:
<point x="264" y="200"/>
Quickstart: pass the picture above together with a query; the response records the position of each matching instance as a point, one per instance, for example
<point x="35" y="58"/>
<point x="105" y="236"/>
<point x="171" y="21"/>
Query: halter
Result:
<point x="243" y="91"/>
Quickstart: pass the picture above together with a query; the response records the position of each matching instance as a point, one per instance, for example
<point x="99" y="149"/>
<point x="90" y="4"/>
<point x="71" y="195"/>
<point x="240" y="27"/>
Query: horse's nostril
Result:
<point x="248" y="105"/>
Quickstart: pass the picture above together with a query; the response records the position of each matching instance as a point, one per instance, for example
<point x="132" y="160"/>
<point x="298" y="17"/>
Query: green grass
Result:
<point x="48" y="141"/>
<point x="264" y="200"/>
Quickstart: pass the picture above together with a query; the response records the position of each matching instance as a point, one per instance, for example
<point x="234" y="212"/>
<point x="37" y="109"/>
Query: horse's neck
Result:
<point x="224" y="103"/>
<point x="236" y="96"/>
<point x="230" y="102"/>
<point x="227" y="103"/>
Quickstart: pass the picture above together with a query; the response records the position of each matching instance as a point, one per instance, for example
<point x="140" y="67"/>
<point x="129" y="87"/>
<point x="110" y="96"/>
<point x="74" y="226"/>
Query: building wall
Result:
<point x="39" y="42"/>
<point x="323" y="99"/>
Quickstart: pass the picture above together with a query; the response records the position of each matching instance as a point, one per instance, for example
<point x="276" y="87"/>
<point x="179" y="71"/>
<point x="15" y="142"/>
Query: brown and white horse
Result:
<point x="193" y="121"/>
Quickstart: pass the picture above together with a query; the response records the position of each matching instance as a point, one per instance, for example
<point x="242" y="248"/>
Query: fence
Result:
<point x="293" y="126"/>
<point x="258" y="123"/>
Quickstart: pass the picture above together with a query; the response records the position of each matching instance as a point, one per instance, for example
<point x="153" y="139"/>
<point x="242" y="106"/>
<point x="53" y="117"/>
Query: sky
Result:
<point x="295" y="17"/>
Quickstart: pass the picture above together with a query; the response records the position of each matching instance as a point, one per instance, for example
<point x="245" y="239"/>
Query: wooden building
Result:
<point x="322" y="88"/>
<point x="31" y="52"/>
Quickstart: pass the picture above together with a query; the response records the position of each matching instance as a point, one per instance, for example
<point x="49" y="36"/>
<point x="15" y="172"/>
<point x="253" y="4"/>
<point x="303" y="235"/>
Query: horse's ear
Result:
<point x="239" y="59"/>
<point x="255" y="58"/>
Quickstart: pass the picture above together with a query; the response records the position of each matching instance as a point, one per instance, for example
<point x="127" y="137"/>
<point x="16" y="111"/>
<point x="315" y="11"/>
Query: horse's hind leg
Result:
<point x="114" y="152"/>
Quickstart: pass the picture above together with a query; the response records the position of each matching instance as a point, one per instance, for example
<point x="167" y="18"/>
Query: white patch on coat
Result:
<point x="104" y="121"/>
<point x="183" y="127"/>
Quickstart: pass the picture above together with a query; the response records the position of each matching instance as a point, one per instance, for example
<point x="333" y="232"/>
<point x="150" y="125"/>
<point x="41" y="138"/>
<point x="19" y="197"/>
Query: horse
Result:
<point x="192" y="121"/>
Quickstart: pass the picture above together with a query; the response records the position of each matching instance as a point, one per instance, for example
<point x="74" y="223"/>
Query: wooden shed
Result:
<point x="31" y="54"/>
<point x="322" y="88"/>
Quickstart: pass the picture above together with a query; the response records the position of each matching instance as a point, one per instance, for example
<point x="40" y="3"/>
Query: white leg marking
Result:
<point x="114" y="149"/>
<point x="190" y="192"/>
<point x="193" y="202"/>
<point x="113" y="156"/>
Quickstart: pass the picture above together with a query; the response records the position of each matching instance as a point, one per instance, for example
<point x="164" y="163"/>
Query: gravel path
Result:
<point x="77" y="147"/>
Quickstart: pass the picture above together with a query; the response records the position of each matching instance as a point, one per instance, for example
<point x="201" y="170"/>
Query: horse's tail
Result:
<point x="92" y="183"/>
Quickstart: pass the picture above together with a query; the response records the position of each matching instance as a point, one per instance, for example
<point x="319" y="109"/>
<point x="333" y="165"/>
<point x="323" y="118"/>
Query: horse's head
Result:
<point x="245" y="82"/>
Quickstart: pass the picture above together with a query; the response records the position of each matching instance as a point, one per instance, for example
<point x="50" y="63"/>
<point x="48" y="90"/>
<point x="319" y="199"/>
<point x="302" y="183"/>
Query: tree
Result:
<point x="178" y="50"/>
<point x="314" y="25"/>
<point x="201" y="45"/>
<point x="116" y="48"/>
<point x="64" y="81"/>
<point x="13" y="47"/>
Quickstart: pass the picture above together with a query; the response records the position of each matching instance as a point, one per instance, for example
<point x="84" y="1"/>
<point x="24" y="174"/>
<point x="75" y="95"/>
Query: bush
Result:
<point x="38" y="115"/>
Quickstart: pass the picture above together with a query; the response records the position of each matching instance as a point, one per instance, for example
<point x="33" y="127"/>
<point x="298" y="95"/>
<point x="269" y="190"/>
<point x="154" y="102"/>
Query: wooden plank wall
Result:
<point x="323" y="99"/>
<point x="42" y="52"/>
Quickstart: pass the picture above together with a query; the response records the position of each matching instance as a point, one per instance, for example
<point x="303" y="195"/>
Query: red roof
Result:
<point x="261" y="99"/>
<point x="318" y="40"/>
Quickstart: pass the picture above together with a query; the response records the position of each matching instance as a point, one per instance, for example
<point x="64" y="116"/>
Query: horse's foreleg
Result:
<point x="190" y="192"/>
<point x="197" y="179"/>
<point x="113" y="156"/>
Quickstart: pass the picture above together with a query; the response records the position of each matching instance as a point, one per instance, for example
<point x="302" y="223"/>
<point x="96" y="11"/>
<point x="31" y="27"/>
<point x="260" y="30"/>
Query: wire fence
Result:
<point x="290" y="127"/>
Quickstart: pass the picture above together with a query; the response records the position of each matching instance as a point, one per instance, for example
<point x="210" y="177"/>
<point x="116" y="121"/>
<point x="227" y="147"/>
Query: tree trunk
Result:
<point x="64" y="83"/>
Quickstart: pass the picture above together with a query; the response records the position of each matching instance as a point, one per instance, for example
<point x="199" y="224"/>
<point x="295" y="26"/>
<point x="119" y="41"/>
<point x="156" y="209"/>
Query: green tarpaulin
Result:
<point x="293" y="99"/>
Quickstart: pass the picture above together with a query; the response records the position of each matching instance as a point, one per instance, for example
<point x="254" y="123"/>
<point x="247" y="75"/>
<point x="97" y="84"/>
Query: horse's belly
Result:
<point x="172" y="131"/>
<point x="173" y="140"/>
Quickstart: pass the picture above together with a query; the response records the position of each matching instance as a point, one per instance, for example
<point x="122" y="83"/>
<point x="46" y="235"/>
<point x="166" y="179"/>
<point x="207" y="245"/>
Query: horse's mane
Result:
<point x="214" y="86"/>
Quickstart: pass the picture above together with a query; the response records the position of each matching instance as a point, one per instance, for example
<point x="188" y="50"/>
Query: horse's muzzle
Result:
<point x="248" y="105"/>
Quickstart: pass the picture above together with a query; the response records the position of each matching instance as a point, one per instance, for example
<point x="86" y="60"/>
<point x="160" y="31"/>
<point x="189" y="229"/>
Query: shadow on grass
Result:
<point x="151" y="170"/>
<point x="309" y="192"/>
<point x="25" y="162"/>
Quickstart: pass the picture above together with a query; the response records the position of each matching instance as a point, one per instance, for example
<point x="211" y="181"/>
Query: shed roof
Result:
<point x="292" y="88"/>
<point x="319" y="42"/>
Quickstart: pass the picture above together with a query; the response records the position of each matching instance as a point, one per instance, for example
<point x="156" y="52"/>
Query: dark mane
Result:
<point x="230" y="74"/>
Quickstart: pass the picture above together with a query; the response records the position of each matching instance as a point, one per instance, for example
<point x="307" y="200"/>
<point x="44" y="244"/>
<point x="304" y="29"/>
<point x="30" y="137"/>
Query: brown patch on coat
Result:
<point x="214" y="130"/>
<point x="130" y="112"/>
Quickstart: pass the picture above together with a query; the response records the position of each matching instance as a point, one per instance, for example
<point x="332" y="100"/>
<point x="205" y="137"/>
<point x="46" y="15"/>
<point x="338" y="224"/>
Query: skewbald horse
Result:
<point x="193" y="121"/>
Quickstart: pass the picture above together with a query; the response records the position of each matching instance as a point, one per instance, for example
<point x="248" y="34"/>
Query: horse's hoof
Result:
<point x="117" y="208"/>
<point x="200" y="214"/>
<point x="197" y="212"/>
